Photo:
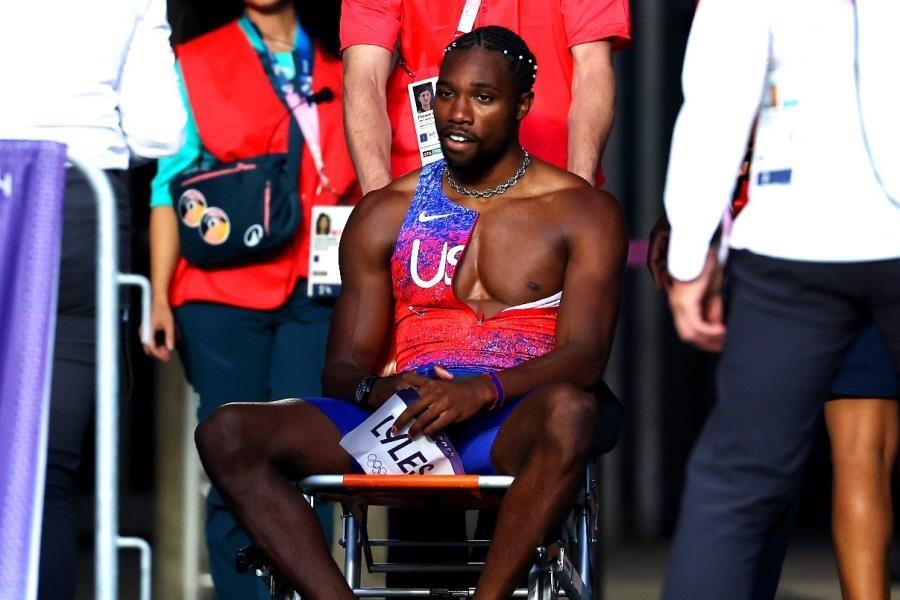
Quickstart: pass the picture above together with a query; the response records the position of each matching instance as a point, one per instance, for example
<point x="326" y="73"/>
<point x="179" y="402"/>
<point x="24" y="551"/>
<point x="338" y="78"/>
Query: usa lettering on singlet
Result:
<point x="450" y="258"/>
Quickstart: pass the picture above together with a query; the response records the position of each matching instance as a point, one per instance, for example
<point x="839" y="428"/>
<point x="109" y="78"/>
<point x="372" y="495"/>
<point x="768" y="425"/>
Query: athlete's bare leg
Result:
<point x="864" y="435"/>
<point x="546" y="443"/>
<point x="251" y="452"/>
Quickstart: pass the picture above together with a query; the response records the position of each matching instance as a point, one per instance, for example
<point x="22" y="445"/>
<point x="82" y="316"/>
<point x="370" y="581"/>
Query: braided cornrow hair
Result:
<point x="521" y="61"/>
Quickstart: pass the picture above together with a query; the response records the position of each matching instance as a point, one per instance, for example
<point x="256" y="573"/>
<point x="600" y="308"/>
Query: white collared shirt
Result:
<point x="97" y="75"/>
<point x="814" y="195"/>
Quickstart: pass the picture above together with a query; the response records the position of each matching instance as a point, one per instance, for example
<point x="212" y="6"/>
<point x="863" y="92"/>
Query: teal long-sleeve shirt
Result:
<point x="192" y="154"/>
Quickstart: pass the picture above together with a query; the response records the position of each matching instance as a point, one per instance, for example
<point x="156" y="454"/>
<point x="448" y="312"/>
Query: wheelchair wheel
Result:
<point x="572" y="545"/>
<point x="576" y="533"/>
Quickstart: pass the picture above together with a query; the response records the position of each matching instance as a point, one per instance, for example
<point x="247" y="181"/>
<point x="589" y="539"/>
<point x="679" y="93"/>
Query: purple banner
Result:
<point x="32" y="181"/>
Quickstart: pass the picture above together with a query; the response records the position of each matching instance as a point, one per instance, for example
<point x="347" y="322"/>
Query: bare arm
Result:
<point x="163" y="257"/>
<point x="597" y="249"/>
<point x="366" y="70"/>
<point x="593" y="107"/>
<point x="361" y="326"/>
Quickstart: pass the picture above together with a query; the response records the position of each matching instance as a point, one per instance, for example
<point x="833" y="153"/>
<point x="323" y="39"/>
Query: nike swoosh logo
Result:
<point x="423" y="218"/>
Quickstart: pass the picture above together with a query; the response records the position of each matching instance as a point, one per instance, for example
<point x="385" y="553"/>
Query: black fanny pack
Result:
<point x="234" y="212"/>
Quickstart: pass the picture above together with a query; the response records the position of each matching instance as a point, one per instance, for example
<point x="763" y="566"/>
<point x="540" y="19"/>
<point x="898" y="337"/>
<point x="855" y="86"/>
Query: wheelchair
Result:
<point x="567" y="565"/>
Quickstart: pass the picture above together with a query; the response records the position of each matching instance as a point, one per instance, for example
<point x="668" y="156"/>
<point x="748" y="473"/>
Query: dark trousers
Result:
<point x="239" y="355"/>
<point x="789" y="325"/>
<point x="73" y="383"/>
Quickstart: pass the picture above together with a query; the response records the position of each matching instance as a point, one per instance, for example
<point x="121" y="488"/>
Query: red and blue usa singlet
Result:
<point x="432" y="325"/>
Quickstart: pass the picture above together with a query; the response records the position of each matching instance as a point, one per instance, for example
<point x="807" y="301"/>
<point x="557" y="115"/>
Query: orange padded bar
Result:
<point x="447" y="482"/>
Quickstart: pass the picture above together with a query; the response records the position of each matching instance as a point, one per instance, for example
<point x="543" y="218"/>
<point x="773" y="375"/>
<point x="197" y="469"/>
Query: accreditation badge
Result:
<point x="421" y="100"/>
<point x="327" y="225"/>
<point x="775" y="146"/>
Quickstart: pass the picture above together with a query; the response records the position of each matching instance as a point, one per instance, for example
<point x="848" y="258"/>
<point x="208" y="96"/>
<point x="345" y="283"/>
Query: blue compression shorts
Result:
<point x="867" y="370"/>
<point x="472" y="439"/>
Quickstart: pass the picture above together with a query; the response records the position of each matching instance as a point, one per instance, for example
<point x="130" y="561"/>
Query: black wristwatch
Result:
<point x="364" y="389"/>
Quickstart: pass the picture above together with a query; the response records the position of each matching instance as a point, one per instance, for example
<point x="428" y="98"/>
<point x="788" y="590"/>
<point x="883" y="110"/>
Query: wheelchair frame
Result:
<point x="563" y="568"/>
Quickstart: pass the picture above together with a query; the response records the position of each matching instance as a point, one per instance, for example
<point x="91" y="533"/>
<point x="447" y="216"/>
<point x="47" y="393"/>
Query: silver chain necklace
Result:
<point x="500" y="189"/>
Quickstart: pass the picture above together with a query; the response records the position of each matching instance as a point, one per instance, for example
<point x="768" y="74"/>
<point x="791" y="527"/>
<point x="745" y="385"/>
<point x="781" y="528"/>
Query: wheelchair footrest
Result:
<point x="570" y="580"/>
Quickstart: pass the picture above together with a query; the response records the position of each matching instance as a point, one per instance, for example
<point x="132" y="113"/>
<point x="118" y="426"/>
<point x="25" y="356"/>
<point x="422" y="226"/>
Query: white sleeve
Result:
<point x="723" y="82"/>
<point x="150" y="107"/>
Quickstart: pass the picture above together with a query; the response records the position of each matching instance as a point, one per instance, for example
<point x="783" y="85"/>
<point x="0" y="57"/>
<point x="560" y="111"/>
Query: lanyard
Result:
<point x="303" y="55"/>
<point x="304" y="112"/>
<point x="467" y="18"/>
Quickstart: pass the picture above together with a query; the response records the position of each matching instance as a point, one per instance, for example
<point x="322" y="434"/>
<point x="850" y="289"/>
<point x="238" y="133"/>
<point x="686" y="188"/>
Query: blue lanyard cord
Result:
<point x="303" y="60"/>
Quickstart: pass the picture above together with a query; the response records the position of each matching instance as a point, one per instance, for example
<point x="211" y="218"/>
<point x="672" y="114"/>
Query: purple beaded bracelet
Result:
<point x="498" y="387"/>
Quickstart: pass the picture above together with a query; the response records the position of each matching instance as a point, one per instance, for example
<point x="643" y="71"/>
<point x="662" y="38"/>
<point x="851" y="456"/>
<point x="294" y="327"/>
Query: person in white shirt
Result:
<point x="815" y="255"/>
<point x="99" y="76"/>
<point x="101" y="80"/>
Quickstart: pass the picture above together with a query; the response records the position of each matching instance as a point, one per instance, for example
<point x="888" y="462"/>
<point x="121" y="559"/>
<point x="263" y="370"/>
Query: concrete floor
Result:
<point x="635" y="572"/>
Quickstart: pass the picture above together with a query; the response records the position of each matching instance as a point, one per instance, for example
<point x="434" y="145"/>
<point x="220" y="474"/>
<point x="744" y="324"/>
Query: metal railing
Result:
<point x="107" y="538"/>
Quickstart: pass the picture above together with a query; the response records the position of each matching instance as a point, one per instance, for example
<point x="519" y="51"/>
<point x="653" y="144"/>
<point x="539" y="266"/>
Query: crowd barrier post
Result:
<point x="107" y="539"/>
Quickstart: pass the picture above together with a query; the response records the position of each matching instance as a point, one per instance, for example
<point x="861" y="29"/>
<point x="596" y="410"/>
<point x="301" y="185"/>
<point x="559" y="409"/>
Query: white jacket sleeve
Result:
<point x="150" y="107"/>
<point x="723" y="81"/>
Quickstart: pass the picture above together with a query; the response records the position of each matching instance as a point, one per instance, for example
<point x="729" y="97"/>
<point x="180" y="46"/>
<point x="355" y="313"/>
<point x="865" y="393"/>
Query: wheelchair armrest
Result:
<point x="410" y="491"/>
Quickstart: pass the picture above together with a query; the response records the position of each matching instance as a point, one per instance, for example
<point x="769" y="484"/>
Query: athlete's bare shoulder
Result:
<point x="571" y="198"/>
<point x="376" y="219"/>
<point x="550" y="178"/>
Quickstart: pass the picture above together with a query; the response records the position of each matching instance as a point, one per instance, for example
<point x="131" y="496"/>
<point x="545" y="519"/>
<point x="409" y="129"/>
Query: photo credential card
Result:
<point x="380" y="452"/>
<point x="326" y="228"/>
<point x="421" y="101"/>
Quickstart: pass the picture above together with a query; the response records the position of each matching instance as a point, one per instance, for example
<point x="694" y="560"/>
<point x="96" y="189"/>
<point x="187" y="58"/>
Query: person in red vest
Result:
<point x="249" y="332"/>
<point x="392" y="47"/>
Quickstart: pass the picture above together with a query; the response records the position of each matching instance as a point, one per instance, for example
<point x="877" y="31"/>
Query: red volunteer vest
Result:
<point x="237" y="111"/>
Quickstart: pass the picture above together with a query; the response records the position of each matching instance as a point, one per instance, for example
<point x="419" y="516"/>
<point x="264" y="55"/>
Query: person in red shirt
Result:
<point x="390" y="46"/>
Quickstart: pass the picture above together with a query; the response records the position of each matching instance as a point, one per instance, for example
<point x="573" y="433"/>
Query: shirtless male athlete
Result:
<point x="523" y="285"/>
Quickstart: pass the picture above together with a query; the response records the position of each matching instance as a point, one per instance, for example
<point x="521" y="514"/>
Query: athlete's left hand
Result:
<point x="445" y="401"/>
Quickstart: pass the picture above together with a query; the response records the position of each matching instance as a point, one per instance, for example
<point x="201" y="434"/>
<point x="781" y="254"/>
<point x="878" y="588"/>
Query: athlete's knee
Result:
<point x="223" y="436"/>
<point x="570" y="406"/>
<point x="570" y="420"/>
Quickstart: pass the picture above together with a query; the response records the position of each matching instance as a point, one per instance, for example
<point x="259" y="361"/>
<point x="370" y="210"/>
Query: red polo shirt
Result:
<point x="420" y="29"/>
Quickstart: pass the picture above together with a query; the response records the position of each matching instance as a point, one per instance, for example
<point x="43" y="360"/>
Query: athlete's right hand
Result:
<point x="162" y="339"/>
<point x="444" y="401"/>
